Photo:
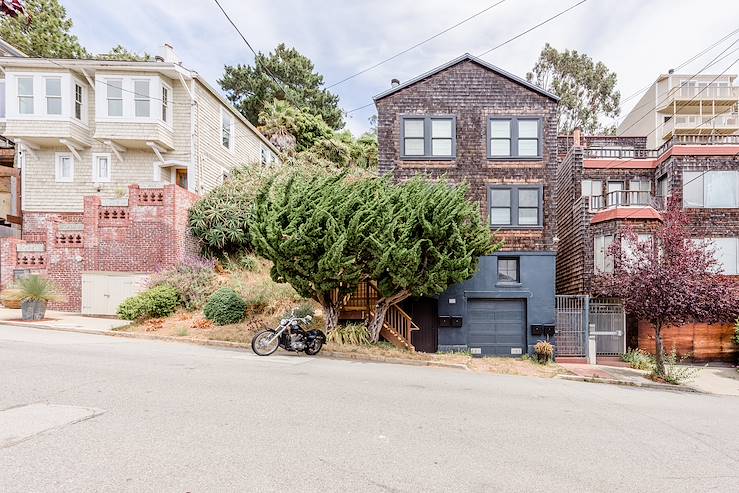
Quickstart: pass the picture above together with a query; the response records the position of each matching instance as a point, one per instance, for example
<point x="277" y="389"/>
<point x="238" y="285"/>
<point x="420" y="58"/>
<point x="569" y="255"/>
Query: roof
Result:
<point x="171" y="70"/>
<point x="463" y="58"/>
<point x="9" y="49"/>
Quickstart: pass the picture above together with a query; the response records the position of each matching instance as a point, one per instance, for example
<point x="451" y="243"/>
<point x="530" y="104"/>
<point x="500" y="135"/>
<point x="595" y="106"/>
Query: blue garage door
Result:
<point x="497" y="327"/>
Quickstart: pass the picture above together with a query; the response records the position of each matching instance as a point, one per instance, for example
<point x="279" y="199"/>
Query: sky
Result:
<point x="637" y="39"/>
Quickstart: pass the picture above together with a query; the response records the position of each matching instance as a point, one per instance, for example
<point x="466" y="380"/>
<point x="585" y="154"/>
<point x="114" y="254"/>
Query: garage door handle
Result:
<point x="107" y="295"/>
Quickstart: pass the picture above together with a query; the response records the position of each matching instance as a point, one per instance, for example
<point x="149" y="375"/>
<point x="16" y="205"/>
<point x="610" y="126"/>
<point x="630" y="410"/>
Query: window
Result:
<point x="115" y="97"/>
<point x="614" y="192"/>
<point x="25" y="95"/>
<point x="78" y="101"/>
<point x="629" y="248"/>
<point x="141" y="98"/>
<point x="2" y="98"/>
<point x="165" y="103"/>
<point x="53" y="96"/>
<point x="227" y="128"/>
<point x="518" y="138"/>
<point x="64" y="167"/>
<point x="711" y="189"/>
<point x="265" y="155"/>
<point x="508" y="269"/>
<point x="593" y="189"/>
<point x="516" y="206"/>
<point x="101" y="168"/>
<point x="602" y="258"/>
<point x="432" y="137"/>
<point x="726" y="251"/>
<point x="663" y="186"/>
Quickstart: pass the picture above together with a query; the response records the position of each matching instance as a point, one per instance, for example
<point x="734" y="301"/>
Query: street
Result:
<point x="166" y="417"/>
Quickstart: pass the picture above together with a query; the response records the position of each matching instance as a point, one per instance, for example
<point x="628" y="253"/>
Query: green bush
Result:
<point x="157" y="302"/>
<point x="302" y="310"/>
<point x="354" y="334"/>
<point x="544" y="352"/>
<point x="224" y="307"/>
<point x="639" y="359"/>
<point x="194" y="279"/>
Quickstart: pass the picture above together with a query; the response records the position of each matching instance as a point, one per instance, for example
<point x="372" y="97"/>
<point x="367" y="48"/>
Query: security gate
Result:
<point x="580" y="316"/>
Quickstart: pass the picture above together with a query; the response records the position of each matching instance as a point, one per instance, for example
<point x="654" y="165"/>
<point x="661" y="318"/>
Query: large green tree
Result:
<point x="587" y="90"/>
<point x="430" y="237"/>
<point x="283" y="74"/>
<point x="48" y="34"/>
<point x="311" y="228"/>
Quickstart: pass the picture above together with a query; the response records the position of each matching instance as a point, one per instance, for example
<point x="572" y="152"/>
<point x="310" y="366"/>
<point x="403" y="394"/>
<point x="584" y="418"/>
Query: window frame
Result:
<point x="609" y="262"/>
<point x="231" y="130"/>
<point x="428" y="137"/>
<point x="78" y="103"/>
<point x="514" y="138"/>
<point x="713" y="244"/>
<point x="108" y="82"/>
<point x="140" y="98"/>
<point x="514" y="206"/>
<point x="3" y="100"/>
<point x="48" y="97"/>
<point x="58" y="178"/>
<point x="166" y="103"/>
<point x="701" y="181"/>
<point x="517" y="279"/>
<point x="96" y="177"/>
<point x="21" y="96"/>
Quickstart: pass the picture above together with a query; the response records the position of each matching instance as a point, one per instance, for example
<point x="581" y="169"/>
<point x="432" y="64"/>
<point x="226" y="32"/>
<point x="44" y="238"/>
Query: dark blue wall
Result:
<point x="537" y="287"/>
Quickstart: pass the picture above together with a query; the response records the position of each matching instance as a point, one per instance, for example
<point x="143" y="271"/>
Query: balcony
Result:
<point x="618" y="153"/>
<point x="696" y="92"/>
<point x="625" y="198"/>
<point x="701" y="124"/>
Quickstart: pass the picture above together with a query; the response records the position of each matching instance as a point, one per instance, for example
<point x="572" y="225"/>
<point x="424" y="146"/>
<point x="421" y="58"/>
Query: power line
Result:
<point x="562" y="12"/>
<point x="393" y="57"/>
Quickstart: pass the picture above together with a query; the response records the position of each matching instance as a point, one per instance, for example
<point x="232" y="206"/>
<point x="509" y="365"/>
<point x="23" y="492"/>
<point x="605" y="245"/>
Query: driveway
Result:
<point x="85" y="412"/>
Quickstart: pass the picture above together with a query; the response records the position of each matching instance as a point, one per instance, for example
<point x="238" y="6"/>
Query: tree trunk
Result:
<point x="331" y="311"/>
<point x="381" y="308"/>
<point x="659" y="353"/>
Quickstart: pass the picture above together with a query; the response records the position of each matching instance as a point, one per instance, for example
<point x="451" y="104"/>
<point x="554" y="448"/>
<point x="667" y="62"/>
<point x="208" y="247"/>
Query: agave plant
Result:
<point x="32" y="288"/>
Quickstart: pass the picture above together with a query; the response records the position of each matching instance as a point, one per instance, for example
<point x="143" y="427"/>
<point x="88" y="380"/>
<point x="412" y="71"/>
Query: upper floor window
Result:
<point x="711" y="189"/>
<point x="64" y="167"/>
<point x="430" y="137"/>
<point x="2" y="98"/>
<point x="593" y="189"/>
<point x="141" y="98"/>
<point x="78" y="101"/>
<point x="515" y="138"/>
<point x="227" y="130"/>
<point x="516" y="206"/>
<point x="165" y="104"/>
<point x="25" y="95"/>
<point x="53" y="96"/>
<point x="115" y="96"/>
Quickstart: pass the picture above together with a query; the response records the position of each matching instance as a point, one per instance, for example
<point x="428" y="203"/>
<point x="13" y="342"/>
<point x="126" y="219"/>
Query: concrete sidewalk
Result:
<point x="73" y="322"/>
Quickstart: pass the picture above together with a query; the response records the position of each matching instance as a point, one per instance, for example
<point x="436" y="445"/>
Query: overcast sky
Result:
<point x="638" y="39"/>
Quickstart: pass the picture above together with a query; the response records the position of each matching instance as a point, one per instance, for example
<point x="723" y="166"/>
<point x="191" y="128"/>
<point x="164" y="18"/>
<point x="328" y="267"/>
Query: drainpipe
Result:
<point x="586" y="327"/>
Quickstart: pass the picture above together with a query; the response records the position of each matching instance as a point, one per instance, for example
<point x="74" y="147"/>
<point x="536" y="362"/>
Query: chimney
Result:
<point x="394" y="83"/>
<point x="576" y="136"/>
<point x="169" y="55"/>
<point x="671" y="71"/>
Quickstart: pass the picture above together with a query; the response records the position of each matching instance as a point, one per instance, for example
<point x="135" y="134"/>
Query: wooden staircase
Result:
<point x="398" y="326"/>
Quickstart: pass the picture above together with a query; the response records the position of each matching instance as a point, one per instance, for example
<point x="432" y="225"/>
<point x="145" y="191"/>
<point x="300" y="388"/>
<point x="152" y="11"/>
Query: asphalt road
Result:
<point x="113" y="414"/>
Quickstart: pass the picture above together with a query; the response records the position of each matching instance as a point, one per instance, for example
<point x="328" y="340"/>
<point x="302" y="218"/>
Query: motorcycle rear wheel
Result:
<point x="260" y="343"/>
<point x="314" y="348"/>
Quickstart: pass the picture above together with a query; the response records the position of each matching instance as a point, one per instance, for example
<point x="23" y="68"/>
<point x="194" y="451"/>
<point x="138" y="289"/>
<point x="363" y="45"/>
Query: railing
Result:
<point x="364" y="298"/>
<point x="399" y="321"/>
<point x="705" y="90"/>
<point x="625" y="198"/>
<point x="677" y="139"/>
<point x="618" y="153"/>
<point x="700" y="122"/>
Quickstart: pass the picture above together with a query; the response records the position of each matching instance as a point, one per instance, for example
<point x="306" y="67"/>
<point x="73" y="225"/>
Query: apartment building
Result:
<point x="109" y="157"/>
<point x="469" y="121"/>
<point x="680" y="107"/>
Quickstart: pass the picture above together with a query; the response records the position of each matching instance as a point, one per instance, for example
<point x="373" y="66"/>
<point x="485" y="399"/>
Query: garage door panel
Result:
<point x="103" y="292"/>
<point x="496" y="326"/>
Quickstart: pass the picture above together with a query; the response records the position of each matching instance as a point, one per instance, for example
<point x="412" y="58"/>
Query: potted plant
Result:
<point x="33" y="293"/>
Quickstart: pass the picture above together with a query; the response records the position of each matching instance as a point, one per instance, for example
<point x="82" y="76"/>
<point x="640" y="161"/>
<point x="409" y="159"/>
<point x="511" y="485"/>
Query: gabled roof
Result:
<point x="7" y="49"/>
<point x="468" y="57"/>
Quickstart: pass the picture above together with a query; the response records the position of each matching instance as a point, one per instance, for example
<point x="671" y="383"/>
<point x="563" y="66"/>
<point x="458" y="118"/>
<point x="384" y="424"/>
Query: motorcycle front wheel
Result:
<point x="314" y="348"/>
<point x="261" y="344"/>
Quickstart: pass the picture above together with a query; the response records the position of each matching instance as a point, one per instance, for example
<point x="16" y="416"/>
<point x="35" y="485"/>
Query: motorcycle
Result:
<point x="290" y="336"/>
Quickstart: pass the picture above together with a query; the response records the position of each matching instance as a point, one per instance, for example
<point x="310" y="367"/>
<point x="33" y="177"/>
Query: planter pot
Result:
<point x="33" y="310"/>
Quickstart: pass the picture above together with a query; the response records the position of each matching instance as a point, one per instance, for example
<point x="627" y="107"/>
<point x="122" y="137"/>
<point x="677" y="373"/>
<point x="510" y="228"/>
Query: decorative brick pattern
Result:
<point x="474" y="94"/>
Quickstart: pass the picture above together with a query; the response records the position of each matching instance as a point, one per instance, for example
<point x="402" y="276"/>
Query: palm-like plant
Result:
<point x="32" y="288"/>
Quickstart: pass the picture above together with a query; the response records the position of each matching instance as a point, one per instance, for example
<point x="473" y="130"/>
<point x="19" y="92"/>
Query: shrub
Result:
<point x="224" y="307"/>
<point x="544" y="352"/>
<point x="33" y="288"/>
<point x="639" y="359"/>
<point x="249" y="263"/>
<point x="302" y="310"/>
<point x="194" y="279"/>
<point x="156" y="302"/>
<point x="675" y="373"/>
<point x="354" y="334"/>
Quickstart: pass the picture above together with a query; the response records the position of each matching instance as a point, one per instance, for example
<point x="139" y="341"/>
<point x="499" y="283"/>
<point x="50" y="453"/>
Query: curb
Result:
<point x="624" y="383"/>
<point x="61" y="329"/>
<point x="397" y="361"/>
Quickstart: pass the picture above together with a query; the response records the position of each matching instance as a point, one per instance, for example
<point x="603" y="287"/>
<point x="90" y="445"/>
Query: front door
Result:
<point x="181" y="178"/>
<point x="424" y="313"/>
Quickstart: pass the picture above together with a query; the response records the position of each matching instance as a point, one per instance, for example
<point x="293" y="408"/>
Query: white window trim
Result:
<point x="19" y="95"/>
<point x="170" y="109"/>
<point x="712" y="244"/>
<point x="97" y="178"/>
<point x="139" y="97"/>
<point x="703" y="175"/>
<point x="232" y="131"/>
<point x="57" y="160"/>
<point x="59" y="97"/>
<point x="107" y="85"/>
<point x="2" y="90"/>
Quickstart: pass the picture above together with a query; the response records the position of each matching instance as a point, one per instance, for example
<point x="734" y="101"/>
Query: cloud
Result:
<point x="637" y="39"/>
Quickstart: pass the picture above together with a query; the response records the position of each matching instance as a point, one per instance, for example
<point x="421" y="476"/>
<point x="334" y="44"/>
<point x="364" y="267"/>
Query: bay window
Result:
<point x="25" y="95"/>
<point x="78" y="101"/>
<point x="53" y="95"/>
<point x="115" y="97"/>
<point x="141" y="98"/>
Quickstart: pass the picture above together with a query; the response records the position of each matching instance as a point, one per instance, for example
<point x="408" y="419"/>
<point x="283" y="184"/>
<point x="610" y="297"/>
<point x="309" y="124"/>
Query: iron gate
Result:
<point x="579" y="316"/>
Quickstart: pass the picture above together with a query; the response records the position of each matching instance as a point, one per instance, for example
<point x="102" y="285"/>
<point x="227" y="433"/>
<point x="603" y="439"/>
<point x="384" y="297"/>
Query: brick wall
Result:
<point x="474" y="93"/>
<point x="143" y="234"/>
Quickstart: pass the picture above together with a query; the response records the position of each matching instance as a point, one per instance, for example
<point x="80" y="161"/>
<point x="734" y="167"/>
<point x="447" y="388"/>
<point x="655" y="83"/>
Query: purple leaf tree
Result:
<point x="670" y="280"/>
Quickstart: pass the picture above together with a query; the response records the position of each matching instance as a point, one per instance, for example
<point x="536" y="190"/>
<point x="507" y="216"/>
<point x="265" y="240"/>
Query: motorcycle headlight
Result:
<point x="283" y="321"/>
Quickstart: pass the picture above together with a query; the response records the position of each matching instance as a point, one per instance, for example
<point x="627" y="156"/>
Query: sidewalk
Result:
<point x="63" y="321"/>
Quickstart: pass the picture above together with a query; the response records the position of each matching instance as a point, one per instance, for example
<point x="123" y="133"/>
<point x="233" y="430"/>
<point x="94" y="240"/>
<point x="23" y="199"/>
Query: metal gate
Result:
<point x="578" y="317"/>
<point x="571" y="323"/>
<point x="608" y="319"/>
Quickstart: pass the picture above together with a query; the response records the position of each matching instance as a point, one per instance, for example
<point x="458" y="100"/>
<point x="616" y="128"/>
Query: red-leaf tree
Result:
<point x="670" y="280"/>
